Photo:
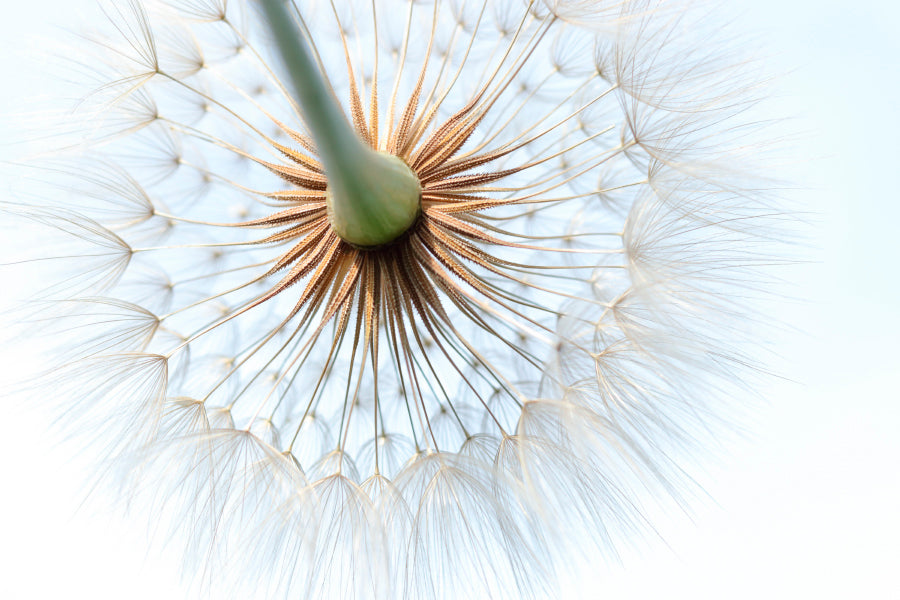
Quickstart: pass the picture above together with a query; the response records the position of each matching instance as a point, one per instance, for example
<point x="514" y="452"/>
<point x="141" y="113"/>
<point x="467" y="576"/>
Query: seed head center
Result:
<point x="379" y="205"/>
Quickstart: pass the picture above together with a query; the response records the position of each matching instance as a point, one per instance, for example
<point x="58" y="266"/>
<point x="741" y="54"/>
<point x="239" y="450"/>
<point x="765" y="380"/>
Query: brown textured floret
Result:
<point x="409" y="275"/>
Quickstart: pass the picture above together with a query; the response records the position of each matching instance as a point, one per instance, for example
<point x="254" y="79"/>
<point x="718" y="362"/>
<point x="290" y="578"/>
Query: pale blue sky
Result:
<point x="805" y="508"/>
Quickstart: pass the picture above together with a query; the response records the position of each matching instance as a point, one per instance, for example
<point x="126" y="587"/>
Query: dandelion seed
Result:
<point x="400" y="298"/>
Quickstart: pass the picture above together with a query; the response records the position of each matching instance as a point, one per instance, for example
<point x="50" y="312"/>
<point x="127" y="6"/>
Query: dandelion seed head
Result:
<point x="556" y="325"/>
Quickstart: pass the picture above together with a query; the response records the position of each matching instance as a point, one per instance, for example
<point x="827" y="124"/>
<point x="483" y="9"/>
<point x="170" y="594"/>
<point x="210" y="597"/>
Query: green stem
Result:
<point x="373" y="197"/>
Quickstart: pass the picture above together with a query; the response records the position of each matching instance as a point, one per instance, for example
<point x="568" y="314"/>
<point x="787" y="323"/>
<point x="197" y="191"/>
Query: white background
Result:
<point x="805" y="507"/>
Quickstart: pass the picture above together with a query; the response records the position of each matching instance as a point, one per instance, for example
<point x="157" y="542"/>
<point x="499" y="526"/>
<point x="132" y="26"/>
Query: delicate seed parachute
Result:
<point x="446" y="416"/>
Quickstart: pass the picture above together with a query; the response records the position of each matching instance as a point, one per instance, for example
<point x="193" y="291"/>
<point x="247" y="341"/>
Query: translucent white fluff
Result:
<point x="456" y="414"/>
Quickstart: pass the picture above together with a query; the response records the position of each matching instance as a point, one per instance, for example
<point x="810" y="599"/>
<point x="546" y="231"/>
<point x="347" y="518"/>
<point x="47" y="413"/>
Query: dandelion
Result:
<point x="385" y="298"/>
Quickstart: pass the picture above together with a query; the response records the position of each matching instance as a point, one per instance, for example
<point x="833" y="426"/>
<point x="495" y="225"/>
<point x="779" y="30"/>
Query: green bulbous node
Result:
<point x="378" y="205"/>
<point x="372" y="197"/>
